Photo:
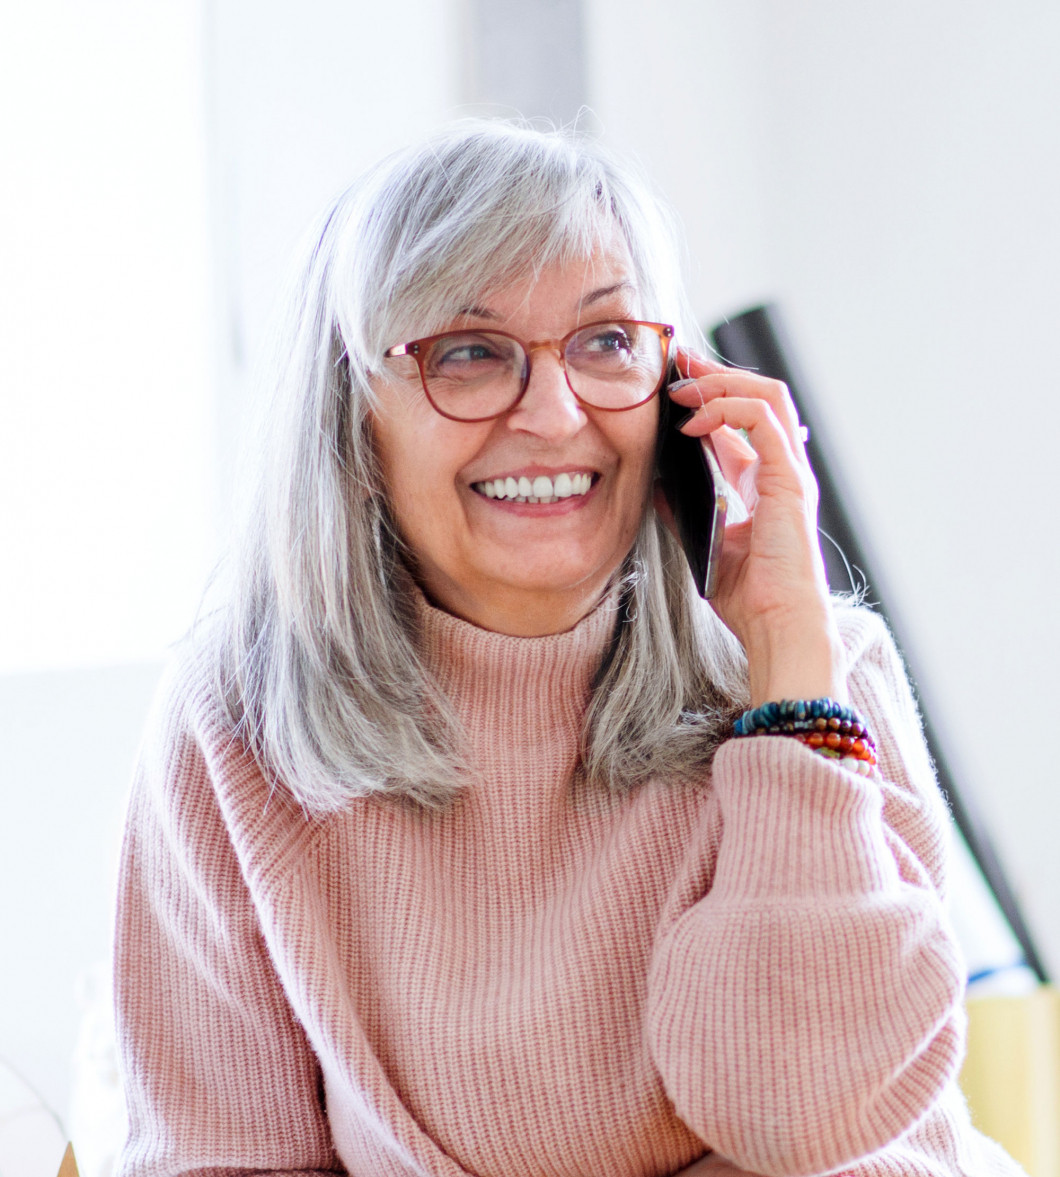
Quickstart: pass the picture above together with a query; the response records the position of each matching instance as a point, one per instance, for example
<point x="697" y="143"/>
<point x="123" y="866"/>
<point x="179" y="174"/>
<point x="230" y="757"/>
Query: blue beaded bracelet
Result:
<point x="825" y="726"/>
<point x="798" y="713"/>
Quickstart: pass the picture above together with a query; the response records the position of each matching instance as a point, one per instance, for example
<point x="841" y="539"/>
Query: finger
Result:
<point x="737" y="383"/>
<point x="776" y="450"/>
<point x="738" y="461"/>
<point x="732" y="443"/>
<point x="735" y="455"/>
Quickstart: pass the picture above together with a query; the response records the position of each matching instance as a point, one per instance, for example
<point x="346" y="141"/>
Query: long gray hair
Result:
<point x="313" y="650"/>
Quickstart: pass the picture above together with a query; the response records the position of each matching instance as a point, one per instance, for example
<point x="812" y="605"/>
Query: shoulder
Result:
<point x="881" y="690"/>
<point x="186" y="722"/>
<point x="197" y="783"/>
<point x="879" y="682"/>
<point x="864" y="631"/>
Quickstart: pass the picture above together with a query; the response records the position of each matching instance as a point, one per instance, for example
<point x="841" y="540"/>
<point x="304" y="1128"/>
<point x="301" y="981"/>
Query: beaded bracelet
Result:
<point x="858" y="755"/>
<point x="823" y="725"/>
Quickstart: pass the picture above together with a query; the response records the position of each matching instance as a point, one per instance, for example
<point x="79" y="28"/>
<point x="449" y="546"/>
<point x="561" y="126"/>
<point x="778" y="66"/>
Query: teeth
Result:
<point x="541" y="490"/>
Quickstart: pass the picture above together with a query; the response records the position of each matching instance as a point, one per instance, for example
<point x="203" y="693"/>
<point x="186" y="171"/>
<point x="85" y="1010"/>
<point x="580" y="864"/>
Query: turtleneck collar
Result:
<point x="521" y="701"/>
<point x="459" y="653"/>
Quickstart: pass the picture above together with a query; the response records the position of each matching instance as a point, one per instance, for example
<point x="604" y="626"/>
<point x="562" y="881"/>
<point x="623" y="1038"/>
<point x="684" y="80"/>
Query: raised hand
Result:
<point x="772" y="592"/>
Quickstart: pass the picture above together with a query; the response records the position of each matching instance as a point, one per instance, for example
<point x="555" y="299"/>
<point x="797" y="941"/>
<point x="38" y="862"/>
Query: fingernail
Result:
<point x="679" y="384"/>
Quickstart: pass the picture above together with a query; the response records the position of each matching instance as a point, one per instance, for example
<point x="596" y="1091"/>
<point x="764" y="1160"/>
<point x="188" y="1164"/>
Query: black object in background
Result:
<point x="756" y="340"/>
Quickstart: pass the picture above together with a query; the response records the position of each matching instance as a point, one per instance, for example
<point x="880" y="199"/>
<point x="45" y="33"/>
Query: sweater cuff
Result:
<point x="795" y="823"/>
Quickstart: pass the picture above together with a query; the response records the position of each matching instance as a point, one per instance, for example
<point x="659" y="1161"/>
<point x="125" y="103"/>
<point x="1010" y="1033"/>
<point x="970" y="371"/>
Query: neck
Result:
<point x="522" y="614"/>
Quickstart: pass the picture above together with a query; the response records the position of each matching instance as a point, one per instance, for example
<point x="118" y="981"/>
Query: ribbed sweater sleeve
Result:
<point x="218" y="1075"/>
<point x="804" y="1002"/>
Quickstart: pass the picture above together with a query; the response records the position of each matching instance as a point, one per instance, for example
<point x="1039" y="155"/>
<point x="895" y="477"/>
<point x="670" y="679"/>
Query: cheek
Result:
<point x="403" y="476"/>
<point x="420" y="458"/>
<point x="413" y="484"/>
<point x="637" y="447"/>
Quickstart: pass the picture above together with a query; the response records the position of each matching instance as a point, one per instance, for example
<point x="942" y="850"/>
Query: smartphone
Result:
<point x="695" y="490"/>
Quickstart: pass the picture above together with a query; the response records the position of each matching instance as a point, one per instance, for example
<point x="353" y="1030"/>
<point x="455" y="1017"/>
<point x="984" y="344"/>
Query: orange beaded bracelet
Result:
<point x="854" y="752"/>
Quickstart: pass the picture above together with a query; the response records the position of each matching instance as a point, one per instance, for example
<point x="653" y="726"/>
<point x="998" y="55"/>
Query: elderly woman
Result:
<point x="445" y="856"/>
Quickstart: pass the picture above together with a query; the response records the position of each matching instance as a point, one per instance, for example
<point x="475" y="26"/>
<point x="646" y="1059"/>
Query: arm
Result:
<point x="217" y="1073"/>
<point x="805" y="1011"/>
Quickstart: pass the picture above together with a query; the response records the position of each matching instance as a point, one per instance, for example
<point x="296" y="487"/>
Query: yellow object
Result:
<point x="68" y="1165"/>
<point x="1011" y="1076"/>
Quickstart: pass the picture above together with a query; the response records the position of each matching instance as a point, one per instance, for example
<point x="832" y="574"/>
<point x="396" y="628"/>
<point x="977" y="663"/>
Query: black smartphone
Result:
<point x="695" y="490"/>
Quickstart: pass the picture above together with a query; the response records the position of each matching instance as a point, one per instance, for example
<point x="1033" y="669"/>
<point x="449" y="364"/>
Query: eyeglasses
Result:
<point x="615" y="365"/>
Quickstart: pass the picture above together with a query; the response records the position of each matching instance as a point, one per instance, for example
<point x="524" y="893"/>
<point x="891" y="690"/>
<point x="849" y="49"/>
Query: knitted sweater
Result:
<point x="544" y="980"/>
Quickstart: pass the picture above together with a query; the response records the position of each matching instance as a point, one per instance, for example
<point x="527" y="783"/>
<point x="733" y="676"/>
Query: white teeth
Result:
<point x="541" y="489"/>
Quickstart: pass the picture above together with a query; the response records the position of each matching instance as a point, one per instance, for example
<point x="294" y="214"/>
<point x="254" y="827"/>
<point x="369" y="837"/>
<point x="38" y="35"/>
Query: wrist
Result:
<point x="797" y="661"/>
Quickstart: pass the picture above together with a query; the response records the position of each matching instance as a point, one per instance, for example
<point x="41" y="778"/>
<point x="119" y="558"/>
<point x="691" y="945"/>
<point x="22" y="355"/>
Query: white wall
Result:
<point x="69" y="740"/>
<point x="891" y="174"/>
<point x="106" y="409"/>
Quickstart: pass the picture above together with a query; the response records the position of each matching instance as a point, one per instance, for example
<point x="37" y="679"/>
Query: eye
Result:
<point x="604" y="338"/>
<point x="603" y="347"/>
<point x="465" y="353"/>
<point x="469" y="355"/>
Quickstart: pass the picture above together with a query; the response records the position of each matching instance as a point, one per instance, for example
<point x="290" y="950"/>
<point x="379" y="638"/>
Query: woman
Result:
<point x="444" y="857"/>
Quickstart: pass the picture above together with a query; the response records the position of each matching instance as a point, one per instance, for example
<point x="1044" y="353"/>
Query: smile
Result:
<point x="540" y="489"/>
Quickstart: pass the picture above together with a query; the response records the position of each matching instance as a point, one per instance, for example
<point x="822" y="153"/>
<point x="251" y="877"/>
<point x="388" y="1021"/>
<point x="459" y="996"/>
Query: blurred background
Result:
<point x="888" y="174"/>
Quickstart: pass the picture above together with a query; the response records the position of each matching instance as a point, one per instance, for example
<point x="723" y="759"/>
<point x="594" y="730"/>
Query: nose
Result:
<point x="548" y="408"/>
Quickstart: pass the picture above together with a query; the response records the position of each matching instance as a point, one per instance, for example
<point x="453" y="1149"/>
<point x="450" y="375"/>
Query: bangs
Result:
<point x="495" y="253"/>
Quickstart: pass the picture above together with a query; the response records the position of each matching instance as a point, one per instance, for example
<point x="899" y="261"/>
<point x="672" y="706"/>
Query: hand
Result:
<point x="772" y="591"/>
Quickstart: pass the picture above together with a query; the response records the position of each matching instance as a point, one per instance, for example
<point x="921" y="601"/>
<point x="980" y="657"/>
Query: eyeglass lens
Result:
<point x="476" y="374"/>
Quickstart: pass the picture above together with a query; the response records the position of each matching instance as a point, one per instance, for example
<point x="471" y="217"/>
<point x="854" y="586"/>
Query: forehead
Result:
<point x="580" y="288"/>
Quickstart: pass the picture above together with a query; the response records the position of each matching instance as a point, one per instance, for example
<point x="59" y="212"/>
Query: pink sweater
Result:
<point x="545" y="980"/>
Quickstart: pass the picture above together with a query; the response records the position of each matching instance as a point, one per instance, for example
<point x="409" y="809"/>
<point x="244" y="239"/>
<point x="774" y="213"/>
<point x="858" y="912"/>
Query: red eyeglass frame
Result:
<point x="418" y="348"/>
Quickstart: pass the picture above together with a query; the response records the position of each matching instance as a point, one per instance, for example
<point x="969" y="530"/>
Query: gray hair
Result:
<point x="313" y="650"/>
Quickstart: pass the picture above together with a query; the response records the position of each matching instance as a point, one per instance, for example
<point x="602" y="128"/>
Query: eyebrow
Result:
<point x="477" y="312"/>
<point x="607" y="291"/>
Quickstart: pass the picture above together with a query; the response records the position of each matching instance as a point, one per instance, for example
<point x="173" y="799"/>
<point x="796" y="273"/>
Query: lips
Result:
<point x="539" y="489"/>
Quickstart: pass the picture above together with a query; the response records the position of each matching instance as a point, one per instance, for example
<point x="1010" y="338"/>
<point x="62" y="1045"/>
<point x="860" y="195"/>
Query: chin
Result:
<point x="560" y="579"/>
